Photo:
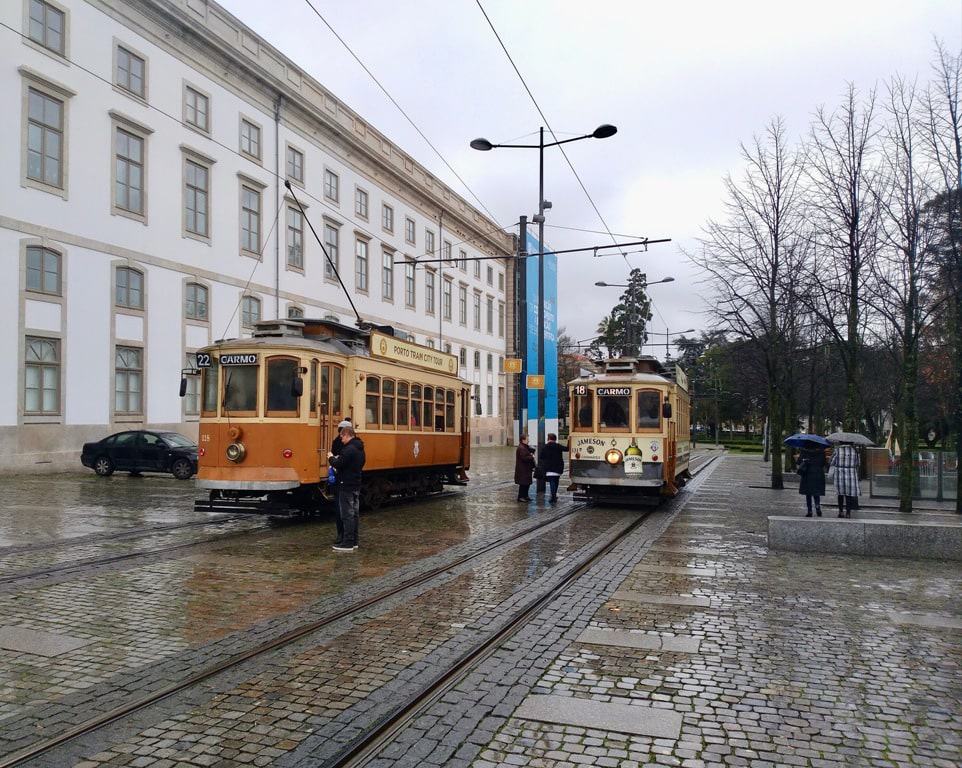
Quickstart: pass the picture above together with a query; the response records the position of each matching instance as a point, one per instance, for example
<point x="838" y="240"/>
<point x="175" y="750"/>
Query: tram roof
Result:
<point x="622" y="378"/>
<point x="329" y="345"/>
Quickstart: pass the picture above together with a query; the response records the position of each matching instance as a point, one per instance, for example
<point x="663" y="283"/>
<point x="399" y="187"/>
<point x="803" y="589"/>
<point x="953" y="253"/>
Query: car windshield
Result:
<point x="177" y="441"/>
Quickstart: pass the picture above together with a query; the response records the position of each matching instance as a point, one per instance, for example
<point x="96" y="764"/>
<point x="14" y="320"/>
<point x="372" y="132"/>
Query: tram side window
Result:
<point x="335" y="389"/>
<point x="314" y="372"/>
<point x="415" y="406"/>
<point x="584" y="412"/>
<point x="649" y="409"/>
<point x="211" y="379"/>
<point x="428" y="423"/>
<point x="281" y="372"/>
<point x="240" y="390"/>
<point x="613" y="412"/>
<point x="402" y="405"/>
<point x="387" y="403"/>
<point x="372" y="402"/>
<point x="449" y="410"/>
<point x="438" y="410"/>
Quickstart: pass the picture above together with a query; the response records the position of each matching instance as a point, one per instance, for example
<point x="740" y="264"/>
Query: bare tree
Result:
<point x="943" y="137"/>
<point x="843" y="201"/>
<point x="752" y="260"/>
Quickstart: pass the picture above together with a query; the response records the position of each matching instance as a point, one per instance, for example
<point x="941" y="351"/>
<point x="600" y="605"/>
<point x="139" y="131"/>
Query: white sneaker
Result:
<point x="337" y="548"/>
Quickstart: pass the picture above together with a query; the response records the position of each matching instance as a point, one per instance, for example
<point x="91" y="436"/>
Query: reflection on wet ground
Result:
<point x="139" y="611"/>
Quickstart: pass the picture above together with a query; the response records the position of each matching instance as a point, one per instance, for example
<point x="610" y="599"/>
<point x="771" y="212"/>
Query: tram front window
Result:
<point x="280" y="387"/>
<point x="211" y="379"/>
<point x="649" y="409"/>
<point x="584" y="412"/>
<point x="613" y="412"/>
<point x="240" y="389"/>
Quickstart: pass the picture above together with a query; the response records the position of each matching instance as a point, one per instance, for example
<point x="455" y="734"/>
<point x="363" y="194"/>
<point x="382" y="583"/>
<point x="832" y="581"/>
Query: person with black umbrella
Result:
<point x="811" y="469"/>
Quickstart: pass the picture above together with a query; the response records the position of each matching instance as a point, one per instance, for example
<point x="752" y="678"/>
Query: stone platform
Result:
<point x="923" y="539"/>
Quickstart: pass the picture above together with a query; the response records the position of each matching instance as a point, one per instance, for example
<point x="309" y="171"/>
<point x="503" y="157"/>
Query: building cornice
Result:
<point x="209" y="38"/>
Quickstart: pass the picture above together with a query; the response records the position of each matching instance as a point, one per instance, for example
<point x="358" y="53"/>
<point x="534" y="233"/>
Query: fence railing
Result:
<point x="936" y="474"/>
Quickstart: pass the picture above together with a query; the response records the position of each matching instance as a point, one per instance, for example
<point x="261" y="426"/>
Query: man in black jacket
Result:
<point x="336" y="447"/>
<point x="553" y="464"/>
<point x="348" y="464"/>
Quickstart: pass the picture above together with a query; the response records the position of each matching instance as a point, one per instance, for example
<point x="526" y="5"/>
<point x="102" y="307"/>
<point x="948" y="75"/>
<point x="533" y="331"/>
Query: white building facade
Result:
<point x="143" y="214"/>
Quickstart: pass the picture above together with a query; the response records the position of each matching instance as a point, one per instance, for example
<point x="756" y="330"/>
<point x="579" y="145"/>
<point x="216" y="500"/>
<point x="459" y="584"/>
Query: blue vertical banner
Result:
<point x="550" y="334"/>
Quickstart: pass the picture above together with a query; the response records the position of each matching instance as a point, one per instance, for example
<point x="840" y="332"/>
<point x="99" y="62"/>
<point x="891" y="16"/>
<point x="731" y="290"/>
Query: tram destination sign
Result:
<point x="239" y="358"/>
<point x="614" y="391"/>
<point x="391" y="348"/>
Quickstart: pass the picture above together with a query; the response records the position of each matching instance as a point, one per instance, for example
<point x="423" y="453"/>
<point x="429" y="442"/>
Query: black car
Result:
<point x="142" y="451"/>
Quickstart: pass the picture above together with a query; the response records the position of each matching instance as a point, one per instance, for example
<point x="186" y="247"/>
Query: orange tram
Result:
<point x="270" y="406"/>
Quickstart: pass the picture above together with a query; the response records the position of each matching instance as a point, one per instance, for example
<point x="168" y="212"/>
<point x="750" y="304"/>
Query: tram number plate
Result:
<point x="579" y="390"/>
<point x="203" y="360"/>
<point x="614" y="391"/>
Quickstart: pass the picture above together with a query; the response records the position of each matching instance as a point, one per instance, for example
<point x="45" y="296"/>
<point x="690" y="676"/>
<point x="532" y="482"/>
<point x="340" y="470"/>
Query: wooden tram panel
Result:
<point x="372" y="377"/>
<point x="630" y="431"/>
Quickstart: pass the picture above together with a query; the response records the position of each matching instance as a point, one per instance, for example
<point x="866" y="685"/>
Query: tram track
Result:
<point x="366" y="746"/>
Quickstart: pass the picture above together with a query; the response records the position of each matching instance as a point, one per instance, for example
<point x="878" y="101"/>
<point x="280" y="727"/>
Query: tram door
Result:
<point x="329" y="401"/>
<point x="672" y="450"/>
<point x="465" y="426"/>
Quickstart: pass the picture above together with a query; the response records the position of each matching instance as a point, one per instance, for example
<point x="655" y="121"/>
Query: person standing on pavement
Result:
<point x="336" y="447"/>
<point x="348" y="464"/>
<point x="523" y="468"/>
<point x="553" y="464"/>
<point x="811" y="471"/>
<point x="845" y="465"/>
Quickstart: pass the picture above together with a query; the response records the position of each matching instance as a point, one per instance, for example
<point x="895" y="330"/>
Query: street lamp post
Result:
<point x="483" y="145"/>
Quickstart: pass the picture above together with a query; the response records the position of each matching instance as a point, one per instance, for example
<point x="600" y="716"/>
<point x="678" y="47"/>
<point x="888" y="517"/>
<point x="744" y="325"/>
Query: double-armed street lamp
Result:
<point x="483" y="145"/>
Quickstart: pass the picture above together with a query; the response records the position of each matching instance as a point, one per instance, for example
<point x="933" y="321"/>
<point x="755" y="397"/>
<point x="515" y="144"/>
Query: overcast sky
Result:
<point x="683" y="82"/>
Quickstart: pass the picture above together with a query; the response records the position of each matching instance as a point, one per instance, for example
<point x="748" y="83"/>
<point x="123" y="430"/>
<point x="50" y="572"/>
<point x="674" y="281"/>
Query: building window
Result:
<point x="409" y="285"/>
<point x="429" y="291"/>
<point x="192" y="395"/>
<point x="477" y="359"/>
<point x="44" y="138"/>
<point x="295" y="238"/>
<point x="46" y="26"/>
<point x="195" y="302"/>
<point x="295" y="164"/>
<point x="387" y="276"/>
<point x="429" y="243"/>
<point x="463" y="261"/>
<point x="196" y="109"/>
<point x="501" y="319"/>
<point x="447" y="251"/>
<point x="490" y="362"/>
<point x="490" y="409"/>
<point x="43" y="270"/>
<point x="41" y="384"/>
<point x="410" y="231"/>
<point x="128" y="380"/>
<point x="250" y="139"/>
<point x="331" y="244"/>
<point x="387" y="217"/>
<point x="476" y="307"/>
<point x="250" y="311"/>
<point x="463" y="357"/>
<point x="360" y="203"/>
<point x="129" y="73"/>
<point x="490" y="315"/>
<point x="129" y="288"/>
<point x="446" y="299"/>
<point x="360" y="265"/>
<point x="129" y="172"/>
<point x="250" y="220"/>
<point x="477" y="270"/>
<point x="196" y="204"/>
<point x="501" y="281"/>
<point x="490" y="273"/>
<point x="332" y="188"/>
<point x="463" y="304"/>
<point x="295" y="313"/>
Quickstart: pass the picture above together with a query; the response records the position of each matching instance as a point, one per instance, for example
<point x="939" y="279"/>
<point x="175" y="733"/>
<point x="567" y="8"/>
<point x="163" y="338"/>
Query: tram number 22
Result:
<point x="580" y="390"/>
<point x="203" y="360"/>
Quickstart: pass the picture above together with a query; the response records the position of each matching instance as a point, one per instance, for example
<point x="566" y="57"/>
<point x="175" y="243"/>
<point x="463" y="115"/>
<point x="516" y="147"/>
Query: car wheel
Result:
<point x="181" y="469"/>
<point x="103" y="466"/>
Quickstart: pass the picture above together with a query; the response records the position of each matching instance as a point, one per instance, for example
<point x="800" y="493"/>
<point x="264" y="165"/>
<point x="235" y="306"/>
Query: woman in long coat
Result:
<point x="845" y="463"/>
<point x="811" y="470"/>
<point x="523" y="468"/>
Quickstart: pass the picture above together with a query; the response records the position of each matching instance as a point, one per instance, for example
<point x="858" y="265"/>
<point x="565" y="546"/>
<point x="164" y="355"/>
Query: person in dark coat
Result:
<point x="348" y="465"/>
<point x="336" y="447"/>
<point x="811" y="483"/>
<point x="523" y="468"/>
<point x="553" y="464"/>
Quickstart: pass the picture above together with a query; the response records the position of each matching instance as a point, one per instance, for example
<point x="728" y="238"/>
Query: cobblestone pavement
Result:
<point x="128" y="616"/>
<point x="786" y="659"/>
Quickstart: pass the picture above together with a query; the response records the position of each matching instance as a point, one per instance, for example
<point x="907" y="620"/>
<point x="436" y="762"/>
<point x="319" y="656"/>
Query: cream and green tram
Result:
<point x="630" y="440"/>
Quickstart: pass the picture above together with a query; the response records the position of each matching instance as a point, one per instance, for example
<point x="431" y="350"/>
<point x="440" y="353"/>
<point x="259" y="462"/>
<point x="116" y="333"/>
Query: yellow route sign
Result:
<point x="512" y="365"/>
<point x="535" y="381"/>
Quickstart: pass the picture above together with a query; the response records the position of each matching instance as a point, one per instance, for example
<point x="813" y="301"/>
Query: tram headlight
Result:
<point x="236" y="452"/>
<point x="613" y="456"/>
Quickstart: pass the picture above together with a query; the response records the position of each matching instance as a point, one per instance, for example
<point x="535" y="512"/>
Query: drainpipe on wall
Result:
<point x="277" y="207"/>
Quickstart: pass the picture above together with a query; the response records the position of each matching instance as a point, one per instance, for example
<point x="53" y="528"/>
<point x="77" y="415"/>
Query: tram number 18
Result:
<point x="203" y="360"/>
<point x="579" y="390"/>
